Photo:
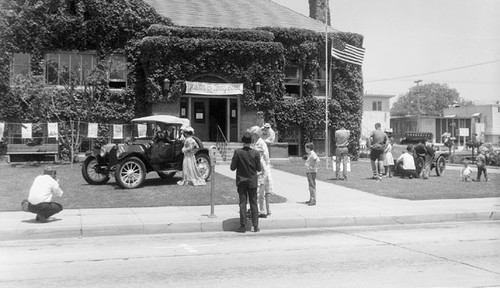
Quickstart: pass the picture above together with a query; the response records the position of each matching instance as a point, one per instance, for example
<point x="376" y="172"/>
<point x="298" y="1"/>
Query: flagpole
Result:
<point x="327" y="84"/>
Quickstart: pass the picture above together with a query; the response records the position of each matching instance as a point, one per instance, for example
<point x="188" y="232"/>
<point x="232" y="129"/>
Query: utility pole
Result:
<point x="417" y="92"/>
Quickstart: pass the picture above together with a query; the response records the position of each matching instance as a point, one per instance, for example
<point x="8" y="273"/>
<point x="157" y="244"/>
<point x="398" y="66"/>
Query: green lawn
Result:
<point x="444" y="187"/>
<point x="15" y="182"/>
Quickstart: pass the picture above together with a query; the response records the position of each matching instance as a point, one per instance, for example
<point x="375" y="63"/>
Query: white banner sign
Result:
<point x="92" y="133"/>
<point x="214" y="88"/>
<point x="142" y="130"/>
<point x="53" y="130"/>
<point x="463" y="132"/>
<point x="2" y="128"/>
<point x="26" y="130"/>
<point x="117" y="132"/>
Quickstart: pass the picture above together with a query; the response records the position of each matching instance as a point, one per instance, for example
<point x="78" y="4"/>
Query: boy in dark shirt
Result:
<point x="481" y="165"/>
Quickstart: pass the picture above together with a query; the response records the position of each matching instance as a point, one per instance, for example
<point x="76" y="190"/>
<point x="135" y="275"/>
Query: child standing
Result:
<point x="481" y="165"/>
<point x="388" y="159"/>
<point x="311" y="171"/>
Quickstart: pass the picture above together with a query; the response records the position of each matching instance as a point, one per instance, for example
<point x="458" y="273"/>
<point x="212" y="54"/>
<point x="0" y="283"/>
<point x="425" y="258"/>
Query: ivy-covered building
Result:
<point x="216" y="62"/>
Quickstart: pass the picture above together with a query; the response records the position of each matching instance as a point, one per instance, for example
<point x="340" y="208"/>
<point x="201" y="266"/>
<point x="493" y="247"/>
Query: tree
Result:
<point x="427" y="99"/>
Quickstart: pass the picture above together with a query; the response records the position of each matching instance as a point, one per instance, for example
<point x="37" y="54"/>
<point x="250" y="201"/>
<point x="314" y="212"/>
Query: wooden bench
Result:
<point x="19" y="150"/>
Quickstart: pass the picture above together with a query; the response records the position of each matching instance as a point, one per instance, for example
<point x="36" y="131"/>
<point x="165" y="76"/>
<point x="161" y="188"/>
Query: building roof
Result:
<point x="234" y="14"/>
<point x="378" y="95"/>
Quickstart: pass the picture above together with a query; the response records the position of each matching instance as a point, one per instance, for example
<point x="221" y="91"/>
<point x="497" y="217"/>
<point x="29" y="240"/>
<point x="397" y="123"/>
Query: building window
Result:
<point x="377" y="105"/>
<point x="20" y="66"/>
<point x="74" y="68"/>
<point x="117" y="71"/>
<point x="292" y="81"/>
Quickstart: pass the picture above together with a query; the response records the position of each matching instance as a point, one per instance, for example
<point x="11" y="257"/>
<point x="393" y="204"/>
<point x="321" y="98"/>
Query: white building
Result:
<point x="376" y="109"/>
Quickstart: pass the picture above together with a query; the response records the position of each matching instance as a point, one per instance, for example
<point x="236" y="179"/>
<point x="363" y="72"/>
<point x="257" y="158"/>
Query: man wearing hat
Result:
<point x="268" y="134"/>
<point x="40" y="197"/>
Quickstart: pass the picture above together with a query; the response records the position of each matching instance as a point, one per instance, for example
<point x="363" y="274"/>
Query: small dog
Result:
<point x="465" y="173"/>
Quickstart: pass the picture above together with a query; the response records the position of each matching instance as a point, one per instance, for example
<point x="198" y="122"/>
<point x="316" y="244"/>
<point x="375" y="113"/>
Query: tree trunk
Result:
<point x="320" y="10"/>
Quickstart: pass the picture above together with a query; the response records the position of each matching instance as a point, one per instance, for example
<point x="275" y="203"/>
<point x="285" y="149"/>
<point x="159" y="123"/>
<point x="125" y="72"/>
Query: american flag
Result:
<point x="347" y="53"/>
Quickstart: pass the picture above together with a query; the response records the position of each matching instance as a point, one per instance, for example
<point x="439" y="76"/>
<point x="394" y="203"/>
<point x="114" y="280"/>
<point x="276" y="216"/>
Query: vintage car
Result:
<point x="438" y="162"/>
<point x="144" y="153"/>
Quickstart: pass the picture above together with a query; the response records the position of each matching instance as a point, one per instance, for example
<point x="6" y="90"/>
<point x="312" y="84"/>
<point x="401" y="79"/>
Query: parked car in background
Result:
<point x="145" y="152"/>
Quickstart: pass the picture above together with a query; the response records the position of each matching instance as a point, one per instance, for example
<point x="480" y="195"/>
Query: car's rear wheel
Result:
<point x="203" y="164"/>
<point x="130" y="173"/>
<point x="440" y="166"/>
<point x="93" y="173"/>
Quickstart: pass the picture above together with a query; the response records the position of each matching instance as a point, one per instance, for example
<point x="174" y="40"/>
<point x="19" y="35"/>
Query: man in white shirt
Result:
<point x="405" y="165"/>
<point x="40" y="197"/>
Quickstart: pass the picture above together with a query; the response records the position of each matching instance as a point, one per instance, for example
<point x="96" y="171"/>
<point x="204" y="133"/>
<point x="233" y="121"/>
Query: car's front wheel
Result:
<point x="130" y="173"/>
<point x="93" y="173"/>
<point x="203" y="164"/>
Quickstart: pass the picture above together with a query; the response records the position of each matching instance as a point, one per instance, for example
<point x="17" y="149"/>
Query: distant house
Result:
<point x="460" y="122"/>
<point x="376" y="109"/>
<point x="485" y="120"/>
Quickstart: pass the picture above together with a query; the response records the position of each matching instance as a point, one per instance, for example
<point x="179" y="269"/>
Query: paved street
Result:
<point x="425" y="255"/>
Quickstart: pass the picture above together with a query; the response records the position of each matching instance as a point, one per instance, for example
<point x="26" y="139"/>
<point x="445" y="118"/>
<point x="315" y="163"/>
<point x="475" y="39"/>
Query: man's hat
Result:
<point x="267" y="125"/>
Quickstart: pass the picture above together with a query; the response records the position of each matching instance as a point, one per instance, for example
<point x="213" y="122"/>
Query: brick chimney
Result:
<point x="318" y="9"/>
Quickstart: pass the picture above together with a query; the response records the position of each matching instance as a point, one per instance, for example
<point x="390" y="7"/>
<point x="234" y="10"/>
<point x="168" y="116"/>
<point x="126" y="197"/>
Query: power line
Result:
<point x="435" y="72"/>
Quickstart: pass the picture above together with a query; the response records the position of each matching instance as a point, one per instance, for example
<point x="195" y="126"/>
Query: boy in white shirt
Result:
<point x="405" y="164"/>
<point x="311" y="171"/>
<point x="40" y="197"/>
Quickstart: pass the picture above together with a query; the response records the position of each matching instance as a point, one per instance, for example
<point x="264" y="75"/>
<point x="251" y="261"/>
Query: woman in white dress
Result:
<point x="191" y="174"/>
<point x="265" y="178"/>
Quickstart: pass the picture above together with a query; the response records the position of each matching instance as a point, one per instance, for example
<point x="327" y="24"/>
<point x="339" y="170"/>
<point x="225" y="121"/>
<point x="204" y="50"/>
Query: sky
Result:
<point x="453" y="42"/>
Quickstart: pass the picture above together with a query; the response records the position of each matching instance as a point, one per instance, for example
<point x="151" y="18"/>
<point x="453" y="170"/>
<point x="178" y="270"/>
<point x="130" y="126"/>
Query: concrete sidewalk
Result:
<point x="337" y="206"/>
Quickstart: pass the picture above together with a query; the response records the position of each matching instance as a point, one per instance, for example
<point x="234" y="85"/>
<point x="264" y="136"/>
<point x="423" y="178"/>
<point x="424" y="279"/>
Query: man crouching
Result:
<point x="40" y="197"/>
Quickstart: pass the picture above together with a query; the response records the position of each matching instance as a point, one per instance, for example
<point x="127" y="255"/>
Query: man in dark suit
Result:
<point x="246" y="162"/>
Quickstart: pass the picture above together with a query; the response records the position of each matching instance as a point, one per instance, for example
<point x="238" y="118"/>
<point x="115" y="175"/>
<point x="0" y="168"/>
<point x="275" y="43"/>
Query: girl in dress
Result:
<point x="191" y="174"/>
<point x="388" y="159"/>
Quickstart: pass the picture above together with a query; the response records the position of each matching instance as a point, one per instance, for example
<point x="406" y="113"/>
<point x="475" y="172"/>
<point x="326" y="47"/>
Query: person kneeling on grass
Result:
<point x="40" y="197"/>
<point x="405" y="165"/>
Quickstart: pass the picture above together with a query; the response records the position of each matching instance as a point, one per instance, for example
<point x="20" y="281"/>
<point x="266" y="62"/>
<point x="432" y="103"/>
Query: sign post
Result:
<point x="213" y="155"/>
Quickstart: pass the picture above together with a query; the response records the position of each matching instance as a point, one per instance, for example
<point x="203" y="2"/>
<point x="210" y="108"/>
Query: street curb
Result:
<point x="43" y="231"/>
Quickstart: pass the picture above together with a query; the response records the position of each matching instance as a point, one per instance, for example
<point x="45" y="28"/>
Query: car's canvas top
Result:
<point x="167" y="119"/>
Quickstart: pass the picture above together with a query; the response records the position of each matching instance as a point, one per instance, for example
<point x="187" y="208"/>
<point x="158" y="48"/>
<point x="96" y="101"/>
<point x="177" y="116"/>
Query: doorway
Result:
<point x="207" y="116"/>
<point x="217" y="118"/>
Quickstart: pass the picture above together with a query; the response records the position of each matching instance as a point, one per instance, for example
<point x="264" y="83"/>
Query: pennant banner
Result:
<point x="92" y="131"/>
<point x="26" y="130"/>
<point x="117" y="131"/>
<point x="142" y="130"/>
<point x="53" y="130"/>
